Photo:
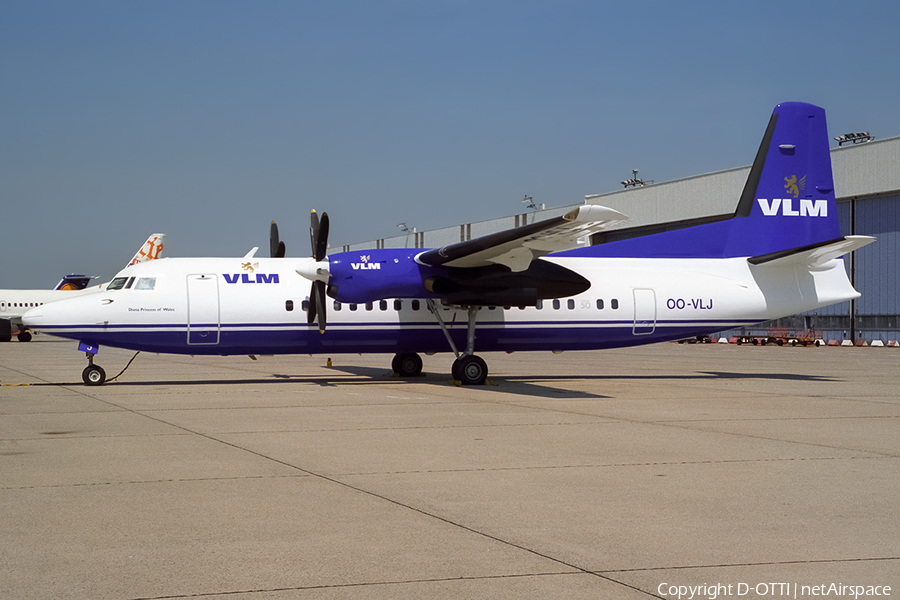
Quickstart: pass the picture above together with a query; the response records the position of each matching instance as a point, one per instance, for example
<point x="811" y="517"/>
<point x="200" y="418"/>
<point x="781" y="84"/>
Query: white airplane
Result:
<point x="15" y="303"/>
<point x="517" y="290"/>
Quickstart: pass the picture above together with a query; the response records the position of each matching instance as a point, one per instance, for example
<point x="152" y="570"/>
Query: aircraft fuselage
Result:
<point x="214" y="306"/>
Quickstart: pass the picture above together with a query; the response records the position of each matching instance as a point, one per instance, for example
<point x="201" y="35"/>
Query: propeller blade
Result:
<point x="318" y="237"/>
<point x="320" y="304"/>
<point x="317" y="305"/>
<point x="313" y="231"/>
<point x="321" y="248"/>
<point x="311" y="313"/>
<point x="276" y="248"/>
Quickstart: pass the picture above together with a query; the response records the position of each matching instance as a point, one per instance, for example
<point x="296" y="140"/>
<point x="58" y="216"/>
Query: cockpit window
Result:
<point x="117" y="284"/>
<point x="145" y="283"/>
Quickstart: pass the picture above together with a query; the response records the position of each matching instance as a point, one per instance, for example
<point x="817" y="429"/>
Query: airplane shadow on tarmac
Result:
<point x="541" y="386"/>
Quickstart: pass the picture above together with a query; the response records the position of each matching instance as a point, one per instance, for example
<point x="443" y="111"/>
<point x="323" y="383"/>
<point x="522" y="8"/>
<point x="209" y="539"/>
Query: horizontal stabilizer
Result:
<point x="814" y="256"/>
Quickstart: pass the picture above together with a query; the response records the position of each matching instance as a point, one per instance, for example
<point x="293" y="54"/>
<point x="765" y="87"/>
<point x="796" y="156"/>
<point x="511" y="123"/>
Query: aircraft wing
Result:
<point x="516" y="248"/>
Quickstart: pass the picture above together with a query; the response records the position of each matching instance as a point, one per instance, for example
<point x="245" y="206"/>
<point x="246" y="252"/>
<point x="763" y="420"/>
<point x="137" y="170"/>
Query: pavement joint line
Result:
<point x="679" y="425"/>
<point x="151" y="482"/>
<point x="757" y="564"/>
<point x="492" y="470"/>
<point x="368" y="584"/>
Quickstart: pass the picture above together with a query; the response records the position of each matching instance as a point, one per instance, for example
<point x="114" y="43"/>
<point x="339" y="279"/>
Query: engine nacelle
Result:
<point x="370" y="275"/>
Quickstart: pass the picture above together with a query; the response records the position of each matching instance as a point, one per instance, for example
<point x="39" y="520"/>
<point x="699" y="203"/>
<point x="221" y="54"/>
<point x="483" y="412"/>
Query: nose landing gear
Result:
<point x="92" y="374"/>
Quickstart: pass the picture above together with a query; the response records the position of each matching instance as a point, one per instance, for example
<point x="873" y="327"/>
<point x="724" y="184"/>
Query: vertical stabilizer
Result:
<point x="788" y="201"/>
<point x="151" y="249"/>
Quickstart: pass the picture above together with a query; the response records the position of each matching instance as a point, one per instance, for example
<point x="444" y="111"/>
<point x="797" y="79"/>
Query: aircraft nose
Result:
<point x="34" y="318"/>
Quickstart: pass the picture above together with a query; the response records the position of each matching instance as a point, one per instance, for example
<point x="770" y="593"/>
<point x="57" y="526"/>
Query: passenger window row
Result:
<point x="570" y="304"/>
<point x="20" y="304"/>
<point x="416" y="305"/>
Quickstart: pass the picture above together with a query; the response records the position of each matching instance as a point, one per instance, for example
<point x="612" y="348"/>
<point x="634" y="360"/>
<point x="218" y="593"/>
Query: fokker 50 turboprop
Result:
<point x="15" y="303"/>
<point x="516" y="290"/>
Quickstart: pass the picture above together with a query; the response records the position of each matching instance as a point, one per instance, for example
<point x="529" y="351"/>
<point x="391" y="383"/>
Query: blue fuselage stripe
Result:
<point x="293" y="338"/>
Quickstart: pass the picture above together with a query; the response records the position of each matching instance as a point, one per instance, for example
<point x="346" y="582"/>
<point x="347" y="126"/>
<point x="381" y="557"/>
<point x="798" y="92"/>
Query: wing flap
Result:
<point x="516" y="248"/>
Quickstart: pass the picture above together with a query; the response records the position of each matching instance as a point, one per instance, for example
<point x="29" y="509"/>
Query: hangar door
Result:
<point x="203" y="309"/>
<point x="644" y="311"/>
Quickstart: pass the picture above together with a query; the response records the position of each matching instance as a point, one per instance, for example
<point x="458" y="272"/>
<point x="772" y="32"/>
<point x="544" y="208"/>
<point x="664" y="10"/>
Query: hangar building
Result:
<point x="867" y="186"/>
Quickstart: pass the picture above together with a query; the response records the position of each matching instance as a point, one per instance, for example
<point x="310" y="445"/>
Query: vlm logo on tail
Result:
<point x="792" y="187"/>
<point x="808" y="207"/>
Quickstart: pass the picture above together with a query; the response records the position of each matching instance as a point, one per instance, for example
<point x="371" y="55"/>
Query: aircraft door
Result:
<point x="203" y="309"/>
<point x="644" y="311"/>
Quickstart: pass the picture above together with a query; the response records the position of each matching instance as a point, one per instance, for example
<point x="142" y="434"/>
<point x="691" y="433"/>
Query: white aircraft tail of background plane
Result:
<point x="528" y="288"/>
<point x="15" y="303"/>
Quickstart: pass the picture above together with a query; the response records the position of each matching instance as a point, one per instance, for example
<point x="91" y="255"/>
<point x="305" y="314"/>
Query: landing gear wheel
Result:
<point x="93" y="375"/>
<point x="470" y="370"/>
<point x="24" y="336"/>
<point x="407" y="364"/>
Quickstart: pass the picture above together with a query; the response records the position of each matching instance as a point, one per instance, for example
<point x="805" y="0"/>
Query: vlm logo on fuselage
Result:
<point x="366" y="264"/>
<point x="250" y="278"/>
<point x="784" y="207"/>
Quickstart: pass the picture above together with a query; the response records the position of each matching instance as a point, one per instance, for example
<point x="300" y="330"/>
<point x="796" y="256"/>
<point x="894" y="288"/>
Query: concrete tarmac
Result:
<point x="613" y="474"/>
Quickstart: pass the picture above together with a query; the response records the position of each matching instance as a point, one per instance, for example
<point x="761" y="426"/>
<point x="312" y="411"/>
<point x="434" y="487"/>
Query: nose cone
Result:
<point x="34" y="318"/>
<point x="57" y="316"/>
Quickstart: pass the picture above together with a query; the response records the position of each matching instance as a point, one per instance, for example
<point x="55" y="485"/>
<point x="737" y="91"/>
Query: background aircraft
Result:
<point x="510" y="291"/>
<point x="15" y="303"/>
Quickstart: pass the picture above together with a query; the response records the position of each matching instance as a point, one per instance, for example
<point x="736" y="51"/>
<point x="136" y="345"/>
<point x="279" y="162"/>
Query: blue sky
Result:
<point x="206" y="120"/>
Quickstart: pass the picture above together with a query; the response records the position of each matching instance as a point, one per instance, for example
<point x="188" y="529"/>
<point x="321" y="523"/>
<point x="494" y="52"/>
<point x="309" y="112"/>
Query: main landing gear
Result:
<point x="468" y="369"/>
<point x="407" y="364"/>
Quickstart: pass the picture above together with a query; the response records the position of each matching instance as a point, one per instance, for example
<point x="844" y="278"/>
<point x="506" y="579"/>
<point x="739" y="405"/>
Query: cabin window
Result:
<point x="599" y="304"/>
<point x="571" y="304"/>
<point x="289" y="305"/>
<point x="337" y="305"/>
<point x="128" y="284"/>
<point x="369" y="306"/>
<point x="539" y="304"/>
<point x="305" y="305"/>
<point x="415" y="305"/>
<point x="117" y="284"/>
<point x="352" y="307"/>
<point x="382" y="304"/>
<point x="614" y="304"/>
<point x="398" y="304"/>
<point x="146" y="283"/>
<point x="556" y="305"/>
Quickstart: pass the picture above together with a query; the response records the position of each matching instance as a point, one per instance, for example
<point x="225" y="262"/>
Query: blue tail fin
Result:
<point x="788" y="201"/>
